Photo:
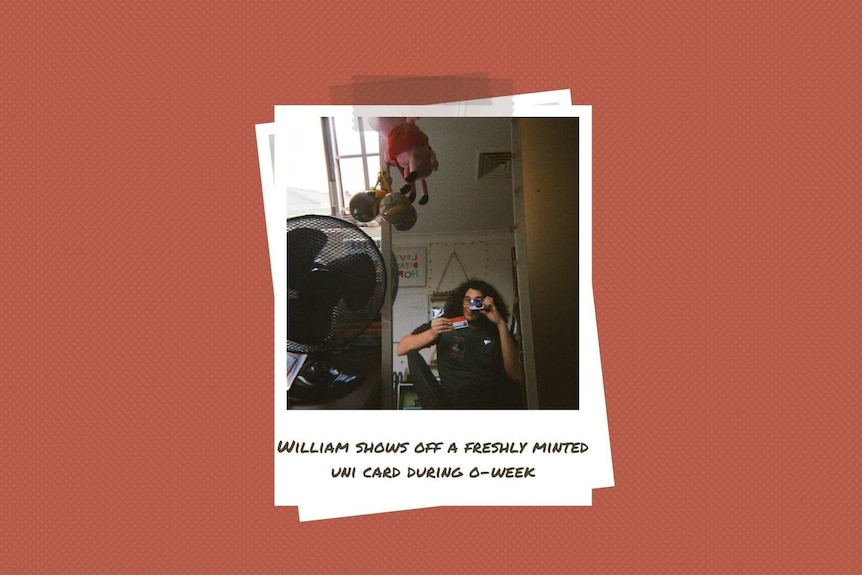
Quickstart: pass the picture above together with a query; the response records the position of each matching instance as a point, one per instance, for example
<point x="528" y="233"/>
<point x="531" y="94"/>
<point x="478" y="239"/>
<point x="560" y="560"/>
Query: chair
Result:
<point x="428" y="389"/>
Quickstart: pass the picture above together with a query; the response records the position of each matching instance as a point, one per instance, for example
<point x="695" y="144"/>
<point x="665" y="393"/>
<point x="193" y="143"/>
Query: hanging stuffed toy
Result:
<point x="407" y="149"/>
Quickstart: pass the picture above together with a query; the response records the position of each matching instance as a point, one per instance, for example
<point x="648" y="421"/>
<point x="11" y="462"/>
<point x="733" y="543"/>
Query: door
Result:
<point x="546" y="239"/>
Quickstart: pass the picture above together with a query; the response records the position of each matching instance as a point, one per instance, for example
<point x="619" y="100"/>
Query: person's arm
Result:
<point x="425" y="338"/>
<point x="508" y="346"/>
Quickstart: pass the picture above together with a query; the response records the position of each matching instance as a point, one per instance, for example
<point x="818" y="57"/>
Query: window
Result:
<point x="353" y="156"/>
<point x="328" y="160"/>
<point x="302" y="156"/>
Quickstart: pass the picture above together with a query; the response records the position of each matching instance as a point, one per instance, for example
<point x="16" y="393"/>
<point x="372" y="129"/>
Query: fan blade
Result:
<point x="307" y="324"/>
<point x="318" y="291"/>
<point x="357" y="278"/>
<point x="303" y="245"/>
<point x="320" y="288"/>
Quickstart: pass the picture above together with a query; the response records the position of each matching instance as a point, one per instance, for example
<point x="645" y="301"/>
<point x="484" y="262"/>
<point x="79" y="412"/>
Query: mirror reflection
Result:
<point x="455" y="319"/>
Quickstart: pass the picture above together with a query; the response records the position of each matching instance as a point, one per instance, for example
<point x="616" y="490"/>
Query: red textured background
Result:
<point x="136" y="313"/>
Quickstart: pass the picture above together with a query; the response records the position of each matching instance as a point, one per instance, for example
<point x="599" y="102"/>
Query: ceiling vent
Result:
<point x="494" y="165"/>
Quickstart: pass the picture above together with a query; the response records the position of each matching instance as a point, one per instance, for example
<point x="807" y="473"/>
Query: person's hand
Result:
<point x="490" y="310"/>
<point x="441" y="325"/>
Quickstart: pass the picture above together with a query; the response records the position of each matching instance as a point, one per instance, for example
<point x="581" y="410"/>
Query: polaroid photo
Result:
<point x="338" y="459"/>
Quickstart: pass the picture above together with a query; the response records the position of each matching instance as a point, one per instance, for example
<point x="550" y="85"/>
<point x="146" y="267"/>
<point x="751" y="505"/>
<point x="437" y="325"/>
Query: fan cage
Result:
<point x="342" y="239"/>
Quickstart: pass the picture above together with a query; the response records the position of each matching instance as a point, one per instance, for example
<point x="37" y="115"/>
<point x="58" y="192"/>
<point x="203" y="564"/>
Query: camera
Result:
<point x="476" y="304"/>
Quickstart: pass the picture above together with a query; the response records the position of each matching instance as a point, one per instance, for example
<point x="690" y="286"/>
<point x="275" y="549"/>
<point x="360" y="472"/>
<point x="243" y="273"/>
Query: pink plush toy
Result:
<point x="407" y="149"/>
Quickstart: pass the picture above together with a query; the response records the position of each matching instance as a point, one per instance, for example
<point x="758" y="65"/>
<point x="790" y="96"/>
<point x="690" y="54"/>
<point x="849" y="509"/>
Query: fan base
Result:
<point x="321" y="380"/>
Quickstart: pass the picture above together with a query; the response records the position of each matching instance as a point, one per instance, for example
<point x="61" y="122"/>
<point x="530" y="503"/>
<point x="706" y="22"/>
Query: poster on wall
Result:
<point x="411" y="264"/>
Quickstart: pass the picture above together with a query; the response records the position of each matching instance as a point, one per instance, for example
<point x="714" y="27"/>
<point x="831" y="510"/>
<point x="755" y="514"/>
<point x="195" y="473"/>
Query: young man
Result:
<point x="477" y="357"/>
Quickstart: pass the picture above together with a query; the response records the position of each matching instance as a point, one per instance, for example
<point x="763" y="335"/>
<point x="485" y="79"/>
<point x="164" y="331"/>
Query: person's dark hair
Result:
<point x="454" y="304"/>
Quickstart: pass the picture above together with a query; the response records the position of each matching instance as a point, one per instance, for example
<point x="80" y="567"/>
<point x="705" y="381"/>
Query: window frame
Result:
<point x="337" y="195"/>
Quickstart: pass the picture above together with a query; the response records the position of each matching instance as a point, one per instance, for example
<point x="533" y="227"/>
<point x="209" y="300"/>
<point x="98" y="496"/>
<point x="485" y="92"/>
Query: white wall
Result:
<point x="484" y="255"/>
<point x="459" y="202"/>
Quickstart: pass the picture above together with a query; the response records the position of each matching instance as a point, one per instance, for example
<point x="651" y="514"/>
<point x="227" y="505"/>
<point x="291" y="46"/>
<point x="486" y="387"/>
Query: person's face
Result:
<point x="468" y="297"/>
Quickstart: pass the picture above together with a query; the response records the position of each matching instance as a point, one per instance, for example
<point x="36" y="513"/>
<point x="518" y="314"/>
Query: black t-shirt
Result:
<point x="470" y="363"/>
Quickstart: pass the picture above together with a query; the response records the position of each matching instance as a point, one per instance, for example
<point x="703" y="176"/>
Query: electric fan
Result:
<point x="336" y="283"/>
